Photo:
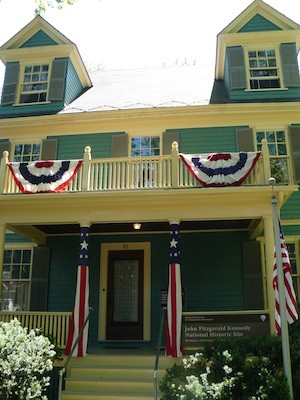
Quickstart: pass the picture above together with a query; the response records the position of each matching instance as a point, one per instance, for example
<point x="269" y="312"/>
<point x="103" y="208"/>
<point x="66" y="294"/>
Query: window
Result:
<point x="26" y="152"/>
<point x="291" y="247"/>
<point x="263" y="69"/>
<point x="35" y="84"/>
<point x="277" y="144"/>
<point x="16" y="279"/>
<point x="145" y="173"/>
<point x="145" y="146"/>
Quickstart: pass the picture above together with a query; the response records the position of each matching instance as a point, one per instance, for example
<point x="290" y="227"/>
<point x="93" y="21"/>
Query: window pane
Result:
<point x="272" y="149"/>
<point x="145" y="141"/>
<point x="261" y="53"/>
<point x="6" y="272"/>
<point x="26" y="256"/>
<point x="25" y="272"/>
<point x="279" y="170"/>
<point x="17" y="256"/>
<point x="282" y="149"/>
<point x="15" y="296"/>
<point x="7" y="256"/>
<point x="260" y="136"/>
<point x="270" y="136"/>
<point x="280" y="136"/>
<point x="15" y="272"/>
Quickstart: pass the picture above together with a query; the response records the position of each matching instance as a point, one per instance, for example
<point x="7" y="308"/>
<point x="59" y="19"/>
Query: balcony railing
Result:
<point x="138" y="173"/>
<point x="52" y="324"/>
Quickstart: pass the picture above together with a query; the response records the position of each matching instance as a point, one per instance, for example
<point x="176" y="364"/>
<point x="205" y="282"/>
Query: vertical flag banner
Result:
<point x="290" y="298"/>
<point x="174" y="305"/>
<point x="81" y="307"/>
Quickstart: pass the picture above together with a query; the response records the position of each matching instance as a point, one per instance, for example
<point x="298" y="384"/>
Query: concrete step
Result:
<point x="69" y="395"/>
<point x="113" y="377"/>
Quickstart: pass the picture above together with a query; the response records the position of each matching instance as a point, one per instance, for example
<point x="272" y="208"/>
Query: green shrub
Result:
<point x="248" y="368"/>
<point x="25" y="359"/>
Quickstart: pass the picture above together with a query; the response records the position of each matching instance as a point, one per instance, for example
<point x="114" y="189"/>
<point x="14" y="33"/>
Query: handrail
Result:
<point x="155" y="373"/>
<point x="64" y="368"/>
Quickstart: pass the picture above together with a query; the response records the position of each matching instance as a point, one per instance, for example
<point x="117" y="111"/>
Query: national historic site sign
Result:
<point x="198" y="328"/>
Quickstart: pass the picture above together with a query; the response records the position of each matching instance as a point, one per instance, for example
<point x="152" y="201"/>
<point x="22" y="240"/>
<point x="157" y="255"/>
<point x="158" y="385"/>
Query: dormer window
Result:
<point x="263" y="70"/>
<point x="35" y="84"/>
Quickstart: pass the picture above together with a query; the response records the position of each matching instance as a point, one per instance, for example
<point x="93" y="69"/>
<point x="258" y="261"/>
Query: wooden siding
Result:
<point x="291" y="209"/>
<point x="39" y="39"/>
<point x="72" y="146"/>
<point x="198" y="258"/>
<point x="29" y="110"/>
<point x="259" y="24"/>
<point x="14" y="238"/>
<point x="73" y="85"/>
<point x="207" y="140"/>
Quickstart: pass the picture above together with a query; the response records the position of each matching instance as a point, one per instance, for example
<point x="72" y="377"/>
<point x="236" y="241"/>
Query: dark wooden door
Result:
<point x="125" y="295"/>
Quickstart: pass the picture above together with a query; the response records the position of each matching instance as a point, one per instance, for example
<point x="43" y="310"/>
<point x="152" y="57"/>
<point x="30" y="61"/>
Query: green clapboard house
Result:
<point x="139" y="138"/>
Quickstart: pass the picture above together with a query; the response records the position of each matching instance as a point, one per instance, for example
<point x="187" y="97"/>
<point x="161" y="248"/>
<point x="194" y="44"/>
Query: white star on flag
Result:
<point x="173" y="243"/>
<point x="84" y="245"/>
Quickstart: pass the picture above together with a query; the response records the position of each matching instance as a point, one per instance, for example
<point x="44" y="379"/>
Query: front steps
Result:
<point x="113" y="377"/>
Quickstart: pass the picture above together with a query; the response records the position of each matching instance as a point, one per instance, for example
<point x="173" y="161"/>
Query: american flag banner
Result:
<point x="44" y="176"/>
<point x="81" y="307"/>
<point x="221" y="169"/>
<point x="290" y="297"/>
<point x="174" y="303"/>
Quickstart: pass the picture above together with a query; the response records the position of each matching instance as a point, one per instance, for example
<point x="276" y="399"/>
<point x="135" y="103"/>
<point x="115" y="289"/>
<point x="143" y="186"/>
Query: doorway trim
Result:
<point x="104" y="250"/>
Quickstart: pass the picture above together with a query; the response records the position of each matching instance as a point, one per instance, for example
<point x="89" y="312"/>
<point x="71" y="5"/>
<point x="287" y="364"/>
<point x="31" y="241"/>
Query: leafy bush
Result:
<point x="236" y="369"/>
<point x="25" y="360"/>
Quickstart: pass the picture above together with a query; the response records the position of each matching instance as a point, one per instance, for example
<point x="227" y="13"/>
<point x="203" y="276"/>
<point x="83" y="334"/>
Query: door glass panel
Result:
<point x="126" y="285"/>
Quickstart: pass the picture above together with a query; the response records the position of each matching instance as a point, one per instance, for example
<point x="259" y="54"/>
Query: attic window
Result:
<point x="263" y="70"/>
<point x="35" y="84"/>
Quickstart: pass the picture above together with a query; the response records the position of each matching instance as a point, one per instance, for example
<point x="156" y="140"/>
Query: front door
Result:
<point x="125" y="297"/>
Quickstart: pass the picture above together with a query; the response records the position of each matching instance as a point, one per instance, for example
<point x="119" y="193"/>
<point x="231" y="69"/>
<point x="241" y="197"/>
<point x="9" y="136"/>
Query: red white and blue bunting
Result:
<point x="44" y="176"/>
<point x="220" y="169"/>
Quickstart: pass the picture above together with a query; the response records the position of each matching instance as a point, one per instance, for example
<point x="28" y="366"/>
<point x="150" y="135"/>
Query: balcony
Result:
<point x="131" y="174"/>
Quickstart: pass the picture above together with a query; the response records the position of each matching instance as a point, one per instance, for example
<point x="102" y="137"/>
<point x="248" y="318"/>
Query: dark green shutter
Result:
<point x="39" y="278"/>
<point x="244" y="139"/>
<point x="58" y="80"/>
<point x="254" y="299"/>
<point x="167" y="139"/>
<point x="49" y="149"/>
<point x="237" y="70"/>
<point x="294" y="135"/>
<point x="289" y="64"/>
<point x="120" y="145"/>
<point x="10" y="86"/>
<point x="4" y="146"/>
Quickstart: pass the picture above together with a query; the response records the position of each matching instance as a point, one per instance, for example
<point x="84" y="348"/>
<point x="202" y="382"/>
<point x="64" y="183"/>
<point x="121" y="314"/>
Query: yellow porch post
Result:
<point x="2" y="243"/>
<point x="269" y="252"/>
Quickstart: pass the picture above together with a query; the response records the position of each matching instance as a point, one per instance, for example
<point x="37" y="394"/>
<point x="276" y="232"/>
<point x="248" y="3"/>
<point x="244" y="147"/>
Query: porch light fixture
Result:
<point x="136" y="226"/>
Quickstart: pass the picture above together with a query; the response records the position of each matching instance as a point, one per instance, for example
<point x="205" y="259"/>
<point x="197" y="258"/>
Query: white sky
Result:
<point x="138" y="33"/>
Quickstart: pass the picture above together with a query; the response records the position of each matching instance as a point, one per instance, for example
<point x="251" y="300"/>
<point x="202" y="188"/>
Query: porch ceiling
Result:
<point x="216" y="225"/>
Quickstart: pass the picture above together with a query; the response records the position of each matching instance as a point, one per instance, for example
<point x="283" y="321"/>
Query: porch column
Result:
<point x="2" y="243"/>
<point x="174" y="305"/>
<point x="269" y="252"/>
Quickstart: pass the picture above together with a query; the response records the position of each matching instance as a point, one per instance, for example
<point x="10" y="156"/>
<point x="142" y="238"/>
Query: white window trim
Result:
<point x="131" y="136"/>
<point x="21" y="76"/>
<point x="264" y="46"/>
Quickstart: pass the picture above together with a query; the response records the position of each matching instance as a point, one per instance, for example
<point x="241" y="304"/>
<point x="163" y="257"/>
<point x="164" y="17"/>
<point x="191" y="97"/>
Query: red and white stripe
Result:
<point x="174" y="313"/>
<point x="290" y="297"/>
<point x="79" y="314"/>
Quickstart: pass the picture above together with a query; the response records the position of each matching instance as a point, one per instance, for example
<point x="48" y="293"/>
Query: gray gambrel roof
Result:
<point x="146" y="88"/>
